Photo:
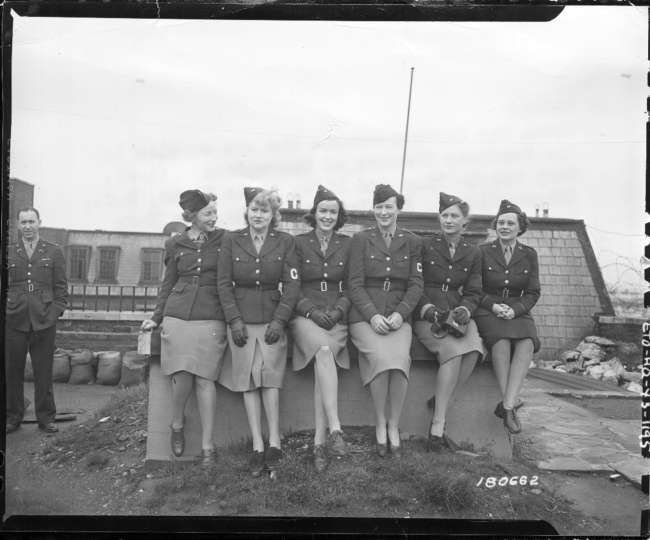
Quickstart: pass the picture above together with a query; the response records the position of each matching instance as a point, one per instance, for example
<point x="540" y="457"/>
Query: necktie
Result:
<point x="507" y="253"/>
<point x="258" y="240"/>
<point x="202" y="237"/>
<point x="324" y="241"/>
<point x="29" y="248"/>
<point x="387" y="238"/>
<point x="452" y="250"/>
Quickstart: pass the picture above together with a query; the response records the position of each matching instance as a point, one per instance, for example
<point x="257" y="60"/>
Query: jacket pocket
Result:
<point x="47" y="297"/>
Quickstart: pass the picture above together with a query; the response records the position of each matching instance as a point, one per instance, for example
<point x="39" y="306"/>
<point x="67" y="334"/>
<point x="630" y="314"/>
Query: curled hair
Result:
<point x="28" y="209"/>
<point x="189" y="216"/>
<point x="399" y="201"/>
<point x="522" y="219"/>
<point x="271" y="199"/>
<point x="310" y="217"/>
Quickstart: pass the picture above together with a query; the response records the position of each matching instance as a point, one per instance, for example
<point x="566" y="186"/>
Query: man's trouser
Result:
<point x="40" y="345"/>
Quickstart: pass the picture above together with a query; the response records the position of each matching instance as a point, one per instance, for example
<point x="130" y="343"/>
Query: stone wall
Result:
<point x="626" y="329"/>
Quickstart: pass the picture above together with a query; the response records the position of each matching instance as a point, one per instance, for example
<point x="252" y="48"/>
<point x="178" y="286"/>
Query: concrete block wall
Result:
<point x="470" y="419"/>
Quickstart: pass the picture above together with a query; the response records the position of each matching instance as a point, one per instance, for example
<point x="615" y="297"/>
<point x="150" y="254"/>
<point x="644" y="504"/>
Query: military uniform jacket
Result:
<point x="515" y="284"/>
<point x="189" y="287"/>
<point x="37" y="292"/>
<point x="384" y="280"/>
<point x="249" y="283"/>
<point x="449" y="281"/>
<point x="323" y="277"/>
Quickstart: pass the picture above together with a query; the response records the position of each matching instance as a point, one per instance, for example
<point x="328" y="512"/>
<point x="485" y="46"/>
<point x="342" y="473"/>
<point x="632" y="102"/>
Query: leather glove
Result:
<point x="430" y="314"/>
<point x="335" y="315"/>
<point x="460" y="315"/>
<point x="273" y="332"/>
<point x="322" y="319"/>
<point x="239" y="332"/>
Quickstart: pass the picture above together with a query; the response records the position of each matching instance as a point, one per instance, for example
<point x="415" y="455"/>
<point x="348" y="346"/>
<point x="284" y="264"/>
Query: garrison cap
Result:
<point x="447" y="200"/>
<point x="324" y="194"/>
<point x="193" y="200"/>
<point x="507" y="207"/>
<point x="251" y="192"/>
<point x="384" y="192"/>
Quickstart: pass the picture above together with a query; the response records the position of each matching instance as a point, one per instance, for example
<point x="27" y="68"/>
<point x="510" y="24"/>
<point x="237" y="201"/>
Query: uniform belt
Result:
<point x="505" y="292"/>
<point x="194" y="280"/>
<point x="255" y="286"/>
<point x="444" y="287"/>
<point x="25" y="287"/>
<point x="386" y="284"/>
<point x="323" y="286"/>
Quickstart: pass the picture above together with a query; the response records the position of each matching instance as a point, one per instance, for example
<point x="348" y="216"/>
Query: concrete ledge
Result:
<point x="470" y="418"/>
<point x="85" y="315"/>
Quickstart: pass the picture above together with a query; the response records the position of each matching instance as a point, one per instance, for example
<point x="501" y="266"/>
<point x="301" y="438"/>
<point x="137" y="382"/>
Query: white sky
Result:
<point x="112" y="119"/>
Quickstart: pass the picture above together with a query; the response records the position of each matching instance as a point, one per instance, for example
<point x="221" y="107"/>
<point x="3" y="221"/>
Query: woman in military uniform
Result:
<point x="193" y="331"/>
<point x="451" y="269"/>
<point x="511" y="286"/>
<point x="385" y="285"/>
<point x="319" y="329"/>
<point x="255" y="263"/>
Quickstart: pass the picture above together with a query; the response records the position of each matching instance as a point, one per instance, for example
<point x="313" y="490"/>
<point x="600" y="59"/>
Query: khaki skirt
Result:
<point x="379" y="353"/>
<point x="449" y="346"/>
<point x="492" y="328"/>
<point x="308" y="338"/>
<point x="193" y="346"/>
<point x="256" y="364"/>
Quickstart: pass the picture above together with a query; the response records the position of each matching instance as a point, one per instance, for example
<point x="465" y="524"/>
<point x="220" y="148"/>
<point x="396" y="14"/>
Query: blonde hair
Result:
<point x="271" y="199"/>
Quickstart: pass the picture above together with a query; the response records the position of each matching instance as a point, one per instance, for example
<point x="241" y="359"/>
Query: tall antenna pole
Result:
<point x="406" y="133"/>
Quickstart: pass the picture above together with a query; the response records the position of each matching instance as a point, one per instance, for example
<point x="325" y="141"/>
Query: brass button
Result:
<point x="507" y="271"/>
<point x="325" y="274"/>
<point x="388" y="269"/>
<point x="198" y="260"/>
<point x="450" y="267"/>
<point x="506" y="281"/>
<point x="29" y="281"/>
<point x="324" y="264"/>
<point x="448" y="280"/>
<point x="29" y="273"/>
<point x="257" y="260"/>
<point x="27" y="265"/>
<point x="257" y="270"/>
<point x="388" y="258"/>
<point x="257" y="283"/>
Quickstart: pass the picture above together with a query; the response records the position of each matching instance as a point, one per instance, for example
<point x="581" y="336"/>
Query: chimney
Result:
<point x="536" y="209"/>
<point x="290" y="200"/>
<point x="298" y="200"/>
<point x="545" y="209"/>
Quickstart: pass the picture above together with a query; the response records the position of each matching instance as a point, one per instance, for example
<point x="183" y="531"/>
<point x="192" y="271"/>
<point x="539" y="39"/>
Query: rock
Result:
<point x="610" y="377"/>
<point x="629" y="354"/>
<point x="595" y="371"/>
<point x="557" y="363"/>
<point x="568" y="356"/>
<point x="603" y="342"/>
<point x="615" y="365"/>
<point x="591" y="351"/>
<point x="571" y="367"/>
<point x="561" y="369"/>
<point x="546" y="364"/>
<point x="632" y="376"/>
<point x="634" y="387"/>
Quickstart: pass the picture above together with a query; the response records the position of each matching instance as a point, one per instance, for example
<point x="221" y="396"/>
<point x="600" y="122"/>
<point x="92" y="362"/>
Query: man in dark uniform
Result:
<point x="37" y="295"/>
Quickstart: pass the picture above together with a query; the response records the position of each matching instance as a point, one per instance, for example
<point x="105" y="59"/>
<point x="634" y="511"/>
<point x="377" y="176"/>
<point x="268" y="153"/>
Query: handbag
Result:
<point x="445" y="324"/>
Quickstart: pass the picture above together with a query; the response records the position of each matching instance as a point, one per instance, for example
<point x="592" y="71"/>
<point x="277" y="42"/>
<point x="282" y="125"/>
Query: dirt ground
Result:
<point x="96" y="467"/>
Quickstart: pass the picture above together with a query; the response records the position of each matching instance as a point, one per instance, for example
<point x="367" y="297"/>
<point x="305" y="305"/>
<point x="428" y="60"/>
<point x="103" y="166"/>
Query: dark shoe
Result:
<point x="435" y="443"/>
<point x="177" y="441"/>
<point x="396" y="451"/>
<point x="50" y="427"/>
<point x="511" y="421"/>
<point x="336" y="445"/>
<point x="273" y="455"/>
<point x="320" y="458"/>
<point x="500" y="411"/>
<point x="256" y="463"/>
<point x="208" y="457"/>
<point x="382" y="449"/>
<point x="11" y="427"/>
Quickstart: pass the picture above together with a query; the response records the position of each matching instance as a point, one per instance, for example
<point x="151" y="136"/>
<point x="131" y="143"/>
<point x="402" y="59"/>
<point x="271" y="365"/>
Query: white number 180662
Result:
<point x="492" y="481"/>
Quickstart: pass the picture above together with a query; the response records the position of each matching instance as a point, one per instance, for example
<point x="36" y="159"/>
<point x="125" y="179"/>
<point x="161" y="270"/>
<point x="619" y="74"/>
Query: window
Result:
<point x="108" y="264"/>
<point x="152" y="262"/>
<point x="78" y="259"/>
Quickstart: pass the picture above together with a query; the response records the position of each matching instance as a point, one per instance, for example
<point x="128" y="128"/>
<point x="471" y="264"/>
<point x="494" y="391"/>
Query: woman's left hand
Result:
<point x="509" y="313"/>
<point x="395" y="320"/>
